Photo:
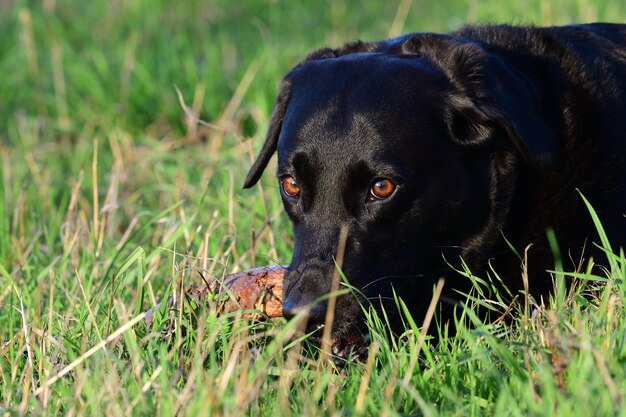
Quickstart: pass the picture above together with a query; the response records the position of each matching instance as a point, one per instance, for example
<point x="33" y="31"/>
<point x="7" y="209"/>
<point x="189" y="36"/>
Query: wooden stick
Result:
<point x="253" y="289"/>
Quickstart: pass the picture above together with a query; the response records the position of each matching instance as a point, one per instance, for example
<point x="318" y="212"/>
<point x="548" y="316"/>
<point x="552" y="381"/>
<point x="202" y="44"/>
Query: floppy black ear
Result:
<point x="271" y="140"/>
<point x="489" y="98"/>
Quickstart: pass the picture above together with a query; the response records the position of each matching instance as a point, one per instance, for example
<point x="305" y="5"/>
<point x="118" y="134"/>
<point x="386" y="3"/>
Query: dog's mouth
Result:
<point x="352" y="347"/>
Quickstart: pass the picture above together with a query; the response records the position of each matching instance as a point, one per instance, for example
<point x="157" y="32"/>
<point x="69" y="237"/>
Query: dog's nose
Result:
<point x="313" y="312"/>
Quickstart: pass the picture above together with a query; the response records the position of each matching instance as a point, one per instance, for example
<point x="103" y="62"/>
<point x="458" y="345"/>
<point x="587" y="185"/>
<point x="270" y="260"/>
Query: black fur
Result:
<point x="487" y="132"/>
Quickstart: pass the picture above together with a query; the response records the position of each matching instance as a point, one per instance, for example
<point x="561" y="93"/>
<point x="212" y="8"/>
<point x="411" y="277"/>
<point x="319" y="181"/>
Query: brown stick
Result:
<point x="253" y="289"/>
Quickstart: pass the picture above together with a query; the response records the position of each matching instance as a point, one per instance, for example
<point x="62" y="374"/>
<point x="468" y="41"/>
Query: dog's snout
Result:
<point x="313" y="311"/>
<point x="304" y="295"/>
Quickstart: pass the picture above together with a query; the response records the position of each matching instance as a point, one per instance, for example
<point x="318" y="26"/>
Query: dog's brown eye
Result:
<point x="381" y="189"/>
<point x="290" y="186"/>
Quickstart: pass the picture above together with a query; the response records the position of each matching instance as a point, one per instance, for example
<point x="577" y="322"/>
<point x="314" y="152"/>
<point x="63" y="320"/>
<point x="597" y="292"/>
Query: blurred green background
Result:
<point x="116" y="62"/>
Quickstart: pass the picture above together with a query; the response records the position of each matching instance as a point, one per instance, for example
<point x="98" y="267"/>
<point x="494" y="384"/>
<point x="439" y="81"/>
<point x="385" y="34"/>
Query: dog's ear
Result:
<point x="271" y="140"/>
<point x="489" y="98"/>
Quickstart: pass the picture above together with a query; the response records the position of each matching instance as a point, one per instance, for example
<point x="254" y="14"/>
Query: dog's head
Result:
<point x="411" y="145"/>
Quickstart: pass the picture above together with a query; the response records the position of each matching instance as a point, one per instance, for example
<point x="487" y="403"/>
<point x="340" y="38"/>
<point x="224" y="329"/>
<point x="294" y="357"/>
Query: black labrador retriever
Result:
<point x="431" y="148"/>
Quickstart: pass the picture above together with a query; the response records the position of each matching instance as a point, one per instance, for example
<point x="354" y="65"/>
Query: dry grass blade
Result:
<point x="424" y="330"/>
<point x="90" y="353"/>
<point x="332" y="300"/>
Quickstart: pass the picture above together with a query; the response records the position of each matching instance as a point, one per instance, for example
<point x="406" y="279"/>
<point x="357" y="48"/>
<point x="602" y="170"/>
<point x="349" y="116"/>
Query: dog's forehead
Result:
<point x="361" y="103"/>
<point x="366" y="81"/>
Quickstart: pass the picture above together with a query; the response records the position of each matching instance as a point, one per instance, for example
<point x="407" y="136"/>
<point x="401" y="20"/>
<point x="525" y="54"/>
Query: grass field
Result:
<point x="111" y="196"/>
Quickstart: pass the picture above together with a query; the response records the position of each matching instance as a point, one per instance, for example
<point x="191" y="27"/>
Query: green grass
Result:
<point x="110" y="199"/>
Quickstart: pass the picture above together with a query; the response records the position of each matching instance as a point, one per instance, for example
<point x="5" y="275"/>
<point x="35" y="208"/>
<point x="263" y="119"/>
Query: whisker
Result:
<point x="427" y="274"/>
<point x="391" y="277"/>
<point x="379" y="298"/>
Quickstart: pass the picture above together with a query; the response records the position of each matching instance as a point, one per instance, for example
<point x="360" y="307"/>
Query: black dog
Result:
<point x="431" y="148"/>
